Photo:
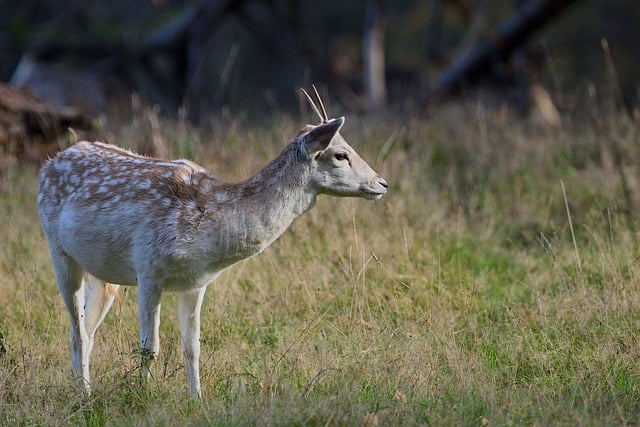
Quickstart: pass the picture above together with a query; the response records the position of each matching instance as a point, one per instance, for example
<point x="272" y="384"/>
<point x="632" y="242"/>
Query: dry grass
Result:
<point x="460" y="298"/>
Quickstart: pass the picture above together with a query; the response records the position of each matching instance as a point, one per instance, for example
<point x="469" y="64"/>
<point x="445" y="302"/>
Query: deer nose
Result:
<point x="380" y="182"/>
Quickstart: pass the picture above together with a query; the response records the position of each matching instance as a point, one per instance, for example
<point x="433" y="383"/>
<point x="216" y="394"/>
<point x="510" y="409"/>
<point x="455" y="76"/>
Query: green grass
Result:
<point x="458" y="299"/>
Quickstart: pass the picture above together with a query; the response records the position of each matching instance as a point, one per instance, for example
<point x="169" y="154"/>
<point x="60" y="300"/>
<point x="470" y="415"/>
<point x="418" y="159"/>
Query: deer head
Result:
<point x="336" y="168"/>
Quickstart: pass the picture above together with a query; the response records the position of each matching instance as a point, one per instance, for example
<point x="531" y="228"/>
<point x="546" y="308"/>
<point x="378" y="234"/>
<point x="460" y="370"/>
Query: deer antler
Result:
<point x="324" y="111"/>
<point x="322" y="114"/>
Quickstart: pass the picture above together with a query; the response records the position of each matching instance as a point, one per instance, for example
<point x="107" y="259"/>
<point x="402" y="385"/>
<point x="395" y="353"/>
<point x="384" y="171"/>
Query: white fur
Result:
<point x="111" y="216"/>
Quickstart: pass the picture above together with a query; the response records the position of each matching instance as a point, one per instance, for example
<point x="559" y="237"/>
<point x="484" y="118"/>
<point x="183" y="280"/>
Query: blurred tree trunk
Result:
<point x="433" y="33"/>
<point x="373" y="57"/>
<point x="198" y="44"/>
<point x="479" y="60"/>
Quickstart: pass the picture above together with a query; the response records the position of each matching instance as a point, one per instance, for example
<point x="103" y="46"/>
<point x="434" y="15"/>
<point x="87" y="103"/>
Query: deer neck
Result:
<point x="250" y="215"/>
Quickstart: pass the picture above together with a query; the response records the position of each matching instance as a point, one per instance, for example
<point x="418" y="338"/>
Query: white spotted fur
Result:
<point x="114" y="217"/>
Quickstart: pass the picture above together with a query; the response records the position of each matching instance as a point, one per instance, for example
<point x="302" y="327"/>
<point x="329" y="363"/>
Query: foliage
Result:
<point x="476" y="292"/>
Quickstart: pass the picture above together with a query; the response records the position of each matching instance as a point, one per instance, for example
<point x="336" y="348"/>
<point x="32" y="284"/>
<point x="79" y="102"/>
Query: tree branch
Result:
<point x="479" y="60"/>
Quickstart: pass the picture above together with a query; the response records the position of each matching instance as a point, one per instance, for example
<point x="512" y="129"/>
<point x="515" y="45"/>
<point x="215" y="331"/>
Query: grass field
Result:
<point x="496" y="284"/>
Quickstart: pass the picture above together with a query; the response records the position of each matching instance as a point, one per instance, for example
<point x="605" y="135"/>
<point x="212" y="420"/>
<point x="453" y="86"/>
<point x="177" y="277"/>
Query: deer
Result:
<point x="114" y="218"/>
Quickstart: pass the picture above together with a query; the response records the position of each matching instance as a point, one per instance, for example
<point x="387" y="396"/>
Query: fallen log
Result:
<point x="31" y="129"/>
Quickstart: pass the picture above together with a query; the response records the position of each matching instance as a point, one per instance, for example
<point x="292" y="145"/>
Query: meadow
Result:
<point x="497" y="283"/>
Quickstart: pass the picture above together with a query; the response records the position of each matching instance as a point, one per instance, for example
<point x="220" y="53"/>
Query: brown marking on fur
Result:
<point x="112" y="291"/>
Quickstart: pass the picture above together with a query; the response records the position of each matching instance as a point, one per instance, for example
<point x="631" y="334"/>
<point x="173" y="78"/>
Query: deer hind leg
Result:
<point x="99" y="297"/>
<point x="69" y="279"/>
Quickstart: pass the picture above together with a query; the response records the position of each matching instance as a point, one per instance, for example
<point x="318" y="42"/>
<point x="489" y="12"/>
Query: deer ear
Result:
<point x="318" y="138"/>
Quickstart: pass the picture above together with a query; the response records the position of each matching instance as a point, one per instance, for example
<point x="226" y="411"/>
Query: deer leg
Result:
<point x="189" y="305"/>
<point x="99" y="297"/>
<point x="69" y="280"/>
<point x="149" y="313"/>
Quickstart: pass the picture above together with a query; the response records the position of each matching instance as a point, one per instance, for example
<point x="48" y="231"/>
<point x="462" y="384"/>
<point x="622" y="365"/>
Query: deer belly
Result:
<point x="101" y="249"/>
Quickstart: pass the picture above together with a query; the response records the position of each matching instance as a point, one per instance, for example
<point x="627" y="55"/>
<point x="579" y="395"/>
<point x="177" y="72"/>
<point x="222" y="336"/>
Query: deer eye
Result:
<point x="341" y="156"/>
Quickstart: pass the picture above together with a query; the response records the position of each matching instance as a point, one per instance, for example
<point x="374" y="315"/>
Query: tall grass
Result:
<point x="477" y="292"/>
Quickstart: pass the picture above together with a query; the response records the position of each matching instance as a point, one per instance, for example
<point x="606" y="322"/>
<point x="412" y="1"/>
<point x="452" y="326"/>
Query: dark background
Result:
<point x="252" y="55"/>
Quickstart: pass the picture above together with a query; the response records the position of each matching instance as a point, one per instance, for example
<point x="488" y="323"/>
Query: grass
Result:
<point x="477" y="292"/>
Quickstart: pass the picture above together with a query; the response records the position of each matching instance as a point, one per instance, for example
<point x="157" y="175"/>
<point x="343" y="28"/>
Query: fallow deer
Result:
<point x="113" y="217"/>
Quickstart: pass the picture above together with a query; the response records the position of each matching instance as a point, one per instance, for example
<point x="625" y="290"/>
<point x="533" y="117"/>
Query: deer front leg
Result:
<point x="189" y="305"/>
<point x="149" y="313"/>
